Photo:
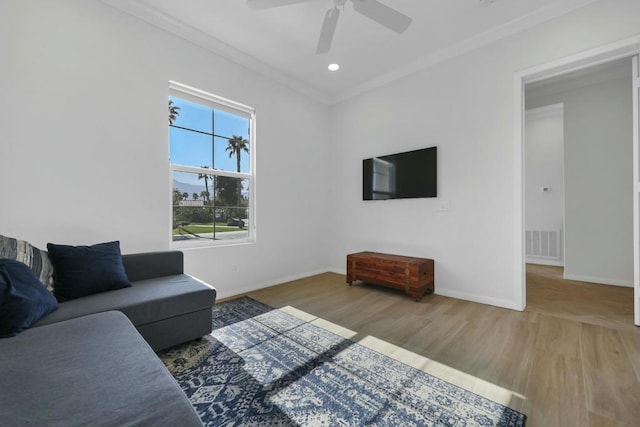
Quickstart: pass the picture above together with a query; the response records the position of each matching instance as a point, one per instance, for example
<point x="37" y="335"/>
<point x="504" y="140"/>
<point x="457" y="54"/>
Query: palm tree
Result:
<point x="206" y="178"/>
<point x="235" y="146"/>
<point x="173" y="112"/>
<point x="177" y="197"/>
<point x="195" y="196"/>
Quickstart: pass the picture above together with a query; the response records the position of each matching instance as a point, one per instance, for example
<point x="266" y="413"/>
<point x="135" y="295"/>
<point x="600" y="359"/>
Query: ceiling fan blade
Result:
<point x="268" y="4"/>
<point x="328" y="30"/>
<point x="383" y="15"/>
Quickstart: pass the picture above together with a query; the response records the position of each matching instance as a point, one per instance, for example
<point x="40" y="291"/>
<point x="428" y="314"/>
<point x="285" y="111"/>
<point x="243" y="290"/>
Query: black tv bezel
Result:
<point x="431" y="187"/>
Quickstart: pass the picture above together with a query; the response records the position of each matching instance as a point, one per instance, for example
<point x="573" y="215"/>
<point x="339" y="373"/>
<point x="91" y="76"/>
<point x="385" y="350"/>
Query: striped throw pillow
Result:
<point x="36" y="259"/>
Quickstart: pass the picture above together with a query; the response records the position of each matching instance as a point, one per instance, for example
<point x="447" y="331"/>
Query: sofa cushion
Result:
<point x="147" y="265"/>
<point x="97" y="371"/>
<point x="86" y="270"/>
<point x="36" y="259"/>
<point x="23" y="299"/>
<point x="146" y="301"/>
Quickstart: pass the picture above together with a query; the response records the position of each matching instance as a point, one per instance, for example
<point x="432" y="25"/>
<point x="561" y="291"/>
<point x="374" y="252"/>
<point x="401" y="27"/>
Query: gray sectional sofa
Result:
<point x="92" y="361"/>
<point x="94" y="370"/>
<point x="167" y="306"/>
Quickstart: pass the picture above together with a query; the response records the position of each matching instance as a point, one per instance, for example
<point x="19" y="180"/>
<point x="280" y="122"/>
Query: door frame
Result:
<point x="610" y="52"/>
<point x="636" y="188"/>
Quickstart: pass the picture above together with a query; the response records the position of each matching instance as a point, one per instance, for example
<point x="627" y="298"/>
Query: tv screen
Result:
<point x="407" y="175"/>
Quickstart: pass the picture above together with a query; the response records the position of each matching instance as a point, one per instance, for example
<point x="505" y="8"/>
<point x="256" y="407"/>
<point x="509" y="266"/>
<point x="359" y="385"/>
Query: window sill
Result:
<point x="202" y="244"/>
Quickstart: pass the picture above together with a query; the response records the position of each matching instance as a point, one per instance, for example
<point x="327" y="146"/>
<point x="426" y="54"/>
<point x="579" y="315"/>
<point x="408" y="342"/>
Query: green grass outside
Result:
<point x="204" y="228"/>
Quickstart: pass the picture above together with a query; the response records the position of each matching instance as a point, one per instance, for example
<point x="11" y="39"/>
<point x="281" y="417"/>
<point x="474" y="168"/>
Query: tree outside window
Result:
<point x="210" y="158"/>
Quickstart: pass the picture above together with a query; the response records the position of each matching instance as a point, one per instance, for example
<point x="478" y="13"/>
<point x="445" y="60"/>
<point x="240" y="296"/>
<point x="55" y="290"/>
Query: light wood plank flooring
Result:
<point x="573" y="355"/>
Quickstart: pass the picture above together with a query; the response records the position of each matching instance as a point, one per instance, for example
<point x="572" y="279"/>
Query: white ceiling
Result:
<point x="281" y="42"/>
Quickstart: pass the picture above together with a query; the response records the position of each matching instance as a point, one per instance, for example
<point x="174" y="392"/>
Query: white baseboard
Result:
<point x="244" y="289"/>
<point x="599" y="280"/>
<point x="542" y="261"/>
<point x="498" y="302"/>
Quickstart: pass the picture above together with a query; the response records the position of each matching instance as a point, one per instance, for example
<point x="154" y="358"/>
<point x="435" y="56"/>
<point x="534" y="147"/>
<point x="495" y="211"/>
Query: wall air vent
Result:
<point x="542" y="243"/>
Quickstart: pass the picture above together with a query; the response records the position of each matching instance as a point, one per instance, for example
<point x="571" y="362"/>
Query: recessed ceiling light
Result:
<point x="333" y="67"/>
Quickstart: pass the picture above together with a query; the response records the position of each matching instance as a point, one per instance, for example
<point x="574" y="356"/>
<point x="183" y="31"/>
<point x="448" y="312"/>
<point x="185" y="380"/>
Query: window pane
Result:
<point x="190" y="148"/>
<point x="209" y="207"/>
<point x="192" y="189"/>
<point x="228" y="125"/>
<point x="223" y="147"/>
<point x="193" y="116"/>
<point x="211" y="134"/>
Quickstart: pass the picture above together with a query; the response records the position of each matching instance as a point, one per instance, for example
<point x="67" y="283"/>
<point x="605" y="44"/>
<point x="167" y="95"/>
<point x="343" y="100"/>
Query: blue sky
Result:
<point x="196" y="149"/>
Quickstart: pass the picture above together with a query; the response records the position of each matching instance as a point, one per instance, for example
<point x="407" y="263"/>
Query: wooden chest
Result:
<point x="412" y="275"/>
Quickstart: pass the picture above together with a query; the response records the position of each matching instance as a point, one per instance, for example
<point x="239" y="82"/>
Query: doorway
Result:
<point x="544" y="181"/>
<point x="552" y="73"/>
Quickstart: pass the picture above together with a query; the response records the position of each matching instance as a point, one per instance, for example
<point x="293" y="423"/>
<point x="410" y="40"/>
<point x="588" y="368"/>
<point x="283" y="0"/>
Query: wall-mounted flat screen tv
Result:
<point x="412" y="174"/>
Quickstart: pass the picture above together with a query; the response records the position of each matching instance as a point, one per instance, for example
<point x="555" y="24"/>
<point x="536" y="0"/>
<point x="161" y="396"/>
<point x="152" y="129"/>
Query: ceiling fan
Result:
<point x="372" y="9"/>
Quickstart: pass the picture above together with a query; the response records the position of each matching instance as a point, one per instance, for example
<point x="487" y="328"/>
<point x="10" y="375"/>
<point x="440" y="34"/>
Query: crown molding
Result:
<point x="214" y="45"/>
<point x="483" y="39"/>
<point x="548" y="111"/>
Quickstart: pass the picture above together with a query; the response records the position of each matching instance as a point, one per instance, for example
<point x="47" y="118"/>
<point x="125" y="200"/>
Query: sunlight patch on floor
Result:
<point x="461" y="379"/>
<point x="468" y="382"/>
<point x="319" y="322"/>
<point x="304" y="316"/>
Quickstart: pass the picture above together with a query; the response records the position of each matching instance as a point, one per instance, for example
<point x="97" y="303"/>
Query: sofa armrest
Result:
<point x="148" y="265"/>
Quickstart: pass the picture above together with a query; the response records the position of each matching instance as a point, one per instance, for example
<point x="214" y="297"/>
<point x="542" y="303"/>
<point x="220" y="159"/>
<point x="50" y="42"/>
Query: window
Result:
<point x="211" y="156"/>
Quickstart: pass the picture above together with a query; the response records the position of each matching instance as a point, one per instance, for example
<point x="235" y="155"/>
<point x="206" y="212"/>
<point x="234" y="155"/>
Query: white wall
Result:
<point x="84" y="151"/>
<point x="544" y="159"/>
<point x="465" y="106"/>
<point x="84" y="148"/>
<point x="598" y="179"/>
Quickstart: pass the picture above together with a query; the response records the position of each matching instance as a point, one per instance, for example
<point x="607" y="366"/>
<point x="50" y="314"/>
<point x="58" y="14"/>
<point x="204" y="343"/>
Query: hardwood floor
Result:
<point x="548" y="293"/>
<point x="572" y="358"/>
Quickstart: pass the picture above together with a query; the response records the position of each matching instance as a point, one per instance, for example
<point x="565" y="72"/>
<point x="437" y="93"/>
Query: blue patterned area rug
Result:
<point x="264" y="367"/>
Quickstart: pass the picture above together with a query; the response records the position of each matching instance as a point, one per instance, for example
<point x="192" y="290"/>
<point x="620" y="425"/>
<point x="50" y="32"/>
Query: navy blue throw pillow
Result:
<point x="79" y="271"/>
<point x="23" y="299"/>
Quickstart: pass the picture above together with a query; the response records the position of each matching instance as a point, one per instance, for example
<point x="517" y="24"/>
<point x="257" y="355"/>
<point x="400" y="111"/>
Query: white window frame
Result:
<point x="198" y="96"/>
